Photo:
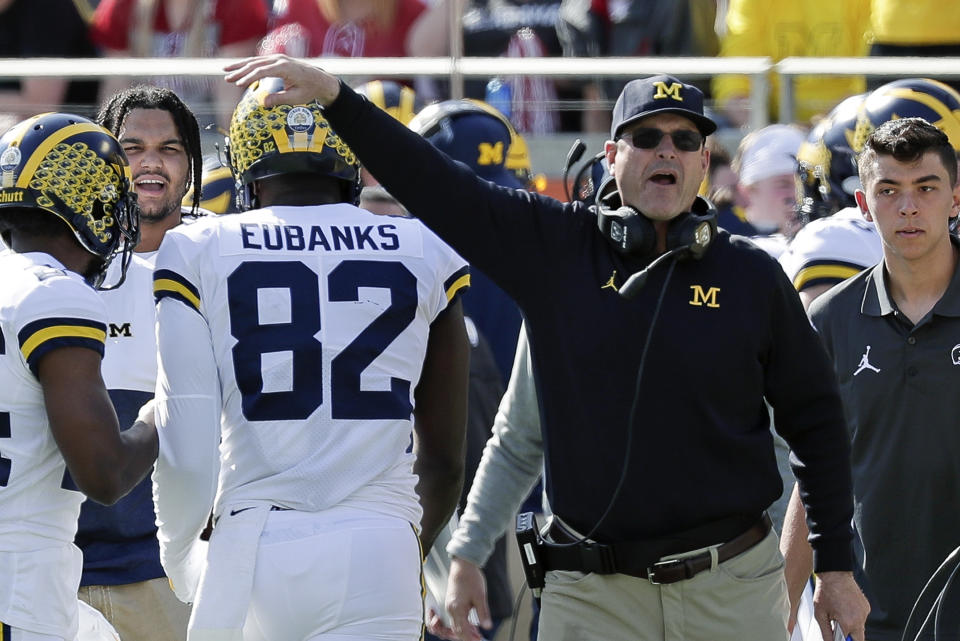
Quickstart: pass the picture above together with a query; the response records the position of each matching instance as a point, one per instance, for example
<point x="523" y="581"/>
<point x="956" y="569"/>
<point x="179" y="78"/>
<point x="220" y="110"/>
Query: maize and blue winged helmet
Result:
<point x="75" y="169"/>
<point x="931" y="100"/>
<point x="472" y="134"/>
<point x="396" y="99"/>
<point x="827" y="163"/>
<point x="217" y="188"/>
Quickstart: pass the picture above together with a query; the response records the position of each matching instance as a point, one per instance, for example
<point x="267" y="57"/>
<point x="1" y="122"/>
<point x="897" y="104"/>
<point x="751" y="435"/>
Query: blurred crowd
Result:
<point x="512" y="28"/>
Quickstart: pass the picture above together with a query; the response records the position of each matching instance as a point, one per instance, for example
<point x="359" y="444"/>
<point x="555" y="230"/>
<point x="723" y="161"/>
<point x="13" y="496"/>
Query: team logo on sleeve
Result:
<point x="955" y="355"/>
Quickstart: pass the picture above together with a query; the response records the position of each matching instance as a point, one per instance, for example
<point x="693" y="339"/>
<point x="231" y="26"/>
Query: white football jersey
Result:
<point x="130" y="358"/>
<point x="832" y="249"/>
<point x="314" y="322"/>
<point x="42" y="307"/>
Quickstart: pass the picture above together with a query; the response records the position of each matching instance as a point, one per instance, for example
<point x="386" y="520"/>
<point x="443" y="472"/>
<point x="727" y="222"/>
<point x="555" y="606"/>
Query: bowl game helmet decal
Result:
<point x="272" y="141"/>
<point x="76" y="170"/>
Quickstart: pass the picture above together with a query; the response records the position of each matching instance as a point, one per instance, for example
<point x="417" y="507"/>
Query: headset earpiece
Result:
<point x="633" y="233"/>
<point x="693" y="230"/>
<point x="630" y="231"/>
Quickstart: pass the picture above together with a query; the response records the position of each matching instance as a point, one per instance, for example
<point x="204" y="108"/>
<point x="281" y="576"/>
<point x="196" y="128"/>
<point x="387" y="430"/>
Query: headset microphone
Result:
<point x="575" y="154"/>
<point x="636" y="282"/>
<point x="703" y="236"/>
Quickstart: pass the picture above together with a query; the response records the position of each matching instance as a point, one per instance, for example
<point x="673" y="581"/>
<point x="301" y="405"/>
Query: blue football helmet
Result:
<point x="827" y="163"/>
<point x="76" y="170"/>
<point x="398" y="100"/>
<point x="931" y="100"/>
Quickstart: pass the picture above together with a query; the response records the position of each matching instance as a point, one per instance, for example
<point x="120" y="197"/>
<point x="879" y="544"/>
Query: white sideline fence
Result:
<point x="455" y="69"/>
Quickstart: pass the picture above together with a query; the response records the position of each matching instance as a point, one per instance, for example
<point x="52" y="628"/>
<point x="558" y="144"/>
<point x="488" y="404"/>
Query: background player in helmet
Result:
<point x="835" y="241"/>
<point x="835" y="246"/>
<point x="217" y="189"/>
<point x="122" y="576"/>
<point x="477" y="135"/>
<point x="65" y="211"/>
<point x="322" y="349"/>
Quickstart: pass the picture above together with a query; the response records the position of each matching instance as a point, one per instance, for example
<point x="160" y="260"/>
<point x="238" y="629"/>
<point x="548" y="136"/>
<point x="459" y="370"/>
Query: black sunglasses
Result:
<point x="649" y="138"/>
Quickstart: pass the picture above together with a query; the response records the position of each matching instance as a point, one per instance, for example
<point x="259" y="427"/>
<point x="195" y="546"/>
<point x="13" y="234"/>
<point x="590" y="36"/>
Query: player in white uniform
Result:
<point x="322" y="350"/>
<point x="835" y="242"/>
<point x="122" y="575"/>
<point x="64" y="212"/>
<point x="830" y="250"/>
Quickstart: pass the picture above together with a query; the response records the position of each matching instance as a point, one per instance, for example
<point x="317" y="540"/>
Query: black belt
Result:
<point x="640" y="558"/>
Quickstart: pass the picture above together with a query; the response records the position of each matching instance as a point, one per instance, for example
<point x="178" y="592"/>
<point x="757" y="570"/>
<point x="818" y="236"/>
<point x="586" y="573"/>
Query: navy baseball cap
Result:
<point x="468" y="133"/>
<point x="655" y="95"/>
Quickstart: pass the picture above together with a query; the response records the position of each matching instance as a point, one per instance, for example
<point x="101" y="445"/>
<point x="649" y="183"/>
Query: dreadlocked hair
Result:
<point x="114" y="112"/>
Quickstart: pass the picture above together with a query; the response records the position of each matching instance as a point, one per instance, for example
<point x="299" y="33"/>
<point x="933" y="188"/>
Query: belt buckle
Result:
<point x="666" y="565"/>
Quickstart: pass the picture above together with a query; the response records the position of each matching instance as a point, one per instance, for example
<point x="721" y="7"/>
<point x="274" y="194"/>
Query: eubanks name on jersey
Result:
<point x="318" y="320"/>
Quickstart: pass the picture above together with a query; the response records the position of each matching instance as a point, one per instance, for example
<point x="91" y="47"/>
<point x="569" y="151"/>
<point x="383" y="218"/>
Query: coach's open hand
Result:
<point x="302" y="81"/>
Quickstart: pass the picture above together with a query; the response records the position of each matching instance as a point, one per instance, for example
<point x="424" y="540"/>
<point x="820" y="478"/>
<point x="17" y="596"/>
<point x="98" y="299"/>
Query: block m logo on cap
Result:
<point x="668" y="91"/>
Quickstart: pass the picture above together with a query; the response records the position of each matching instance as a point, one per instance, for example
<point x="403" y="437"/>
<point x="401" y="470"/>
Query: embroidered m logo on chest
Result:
<point x="708" y="297"/>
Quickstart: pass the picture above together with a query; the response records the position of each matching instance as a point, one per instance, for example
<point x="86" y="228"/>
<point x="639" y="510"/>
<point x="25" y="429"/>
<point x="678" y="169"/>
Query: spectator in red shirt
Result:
<point x="358" y="28"/>
<point x="182" y="28"/>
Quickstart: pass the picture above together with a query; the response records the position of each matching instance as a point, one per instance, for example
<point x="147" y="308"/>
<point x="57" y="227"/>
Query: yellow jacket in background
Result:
<point x="915" y="22"/>
<point x="784" y="28"/>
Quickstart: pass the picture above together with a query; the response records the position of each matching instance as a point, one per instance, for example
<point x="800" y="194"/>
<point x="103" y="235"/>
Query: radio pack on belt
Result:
<point x="564" y="550"/>
<point x="529" y="541"/>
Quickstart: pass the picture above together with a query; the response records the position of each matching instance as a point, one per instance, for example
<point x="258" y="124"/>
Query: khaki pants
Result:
<point x="146" y="611"/>
<point x="743" y="598"/>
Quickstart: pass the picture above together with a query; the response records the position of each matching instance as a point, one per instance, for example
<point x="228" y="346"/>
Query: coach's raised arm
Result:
<point x="655" y="341"/>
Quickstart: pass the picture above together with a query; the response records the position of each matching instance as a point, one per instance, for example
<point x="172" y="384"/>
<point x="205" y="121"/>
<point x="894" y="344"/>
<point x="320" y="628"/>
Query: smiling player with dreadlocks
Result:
<point x="122" y="575"/>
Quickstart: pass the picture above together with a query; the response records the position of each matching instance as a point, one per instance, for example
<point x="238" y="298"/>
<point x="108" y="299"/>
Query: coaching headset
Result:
<point x="631" y="233"/>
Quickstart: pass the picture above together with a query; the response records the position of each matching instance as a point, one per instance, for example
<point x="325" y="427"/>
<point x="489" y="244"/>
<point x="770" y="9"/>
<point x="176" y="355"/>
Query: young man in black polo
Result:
<point x="892" y="333"/>
<point x="656" y="436"/>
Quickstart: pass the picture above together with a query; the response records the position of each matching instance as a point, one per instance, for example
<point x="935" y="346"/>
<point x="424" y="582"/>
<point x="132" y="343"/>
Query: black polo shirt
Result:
<point x="731" y="331"/>
<point x="899" y="383"/>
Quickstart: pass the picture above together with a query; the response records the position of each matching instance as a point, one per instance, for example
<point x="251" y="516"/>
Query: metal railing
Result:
<point x="457" y="68"/>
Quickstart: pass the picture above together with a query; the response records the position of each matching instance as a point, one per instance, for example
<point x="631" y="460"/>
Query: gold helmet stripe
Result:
<point x="375" y="95"/>
<point x="24" y="127"/>
<point x="49" y="143"/>
<point x="217" y="204"/>
<point x="407" y="107"/>
<point x="949" y="121"/>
